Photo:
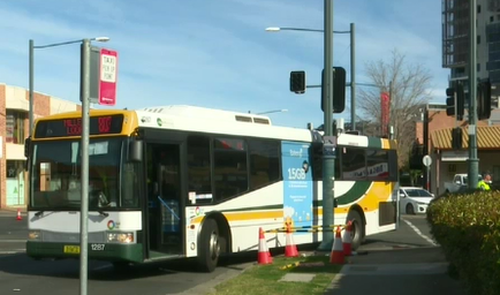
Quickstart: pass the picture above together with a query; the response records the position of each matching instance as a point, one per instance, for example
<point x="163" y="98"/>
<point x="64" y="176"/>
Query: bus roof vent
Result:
<point x="261" y="121"/>
<point x="243" y="119"/>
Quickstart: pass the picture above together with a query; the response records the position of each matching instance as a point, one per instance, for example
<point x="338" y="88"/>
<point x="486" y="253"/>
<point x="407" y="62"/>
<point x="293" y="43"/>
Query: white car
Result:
<point x="414" y="200"/>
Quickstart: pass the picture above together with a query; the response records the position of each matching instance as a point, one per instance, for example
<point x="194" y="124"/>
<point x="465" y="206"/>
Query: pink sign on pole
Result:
<point x="108" y="69"/>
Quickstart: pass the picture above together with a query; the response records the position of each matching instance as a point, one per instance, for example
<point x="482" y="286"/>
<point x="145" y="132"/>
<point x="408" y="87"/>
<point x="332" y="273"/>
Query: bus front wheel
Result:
<point x="357" y="227"/>
<point x="209" y="246"/>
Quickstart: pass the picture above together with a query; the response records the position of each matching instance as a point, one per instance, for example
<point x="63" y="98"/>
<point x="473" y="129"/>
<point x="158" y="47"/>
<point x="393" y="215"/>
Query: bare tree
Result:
<point x="409" y="89"/>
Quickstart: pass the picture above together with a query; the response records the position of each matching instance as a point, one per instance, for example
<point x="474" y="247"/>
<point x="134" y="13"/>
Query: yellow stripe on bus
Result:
<point x="245" y="216"/>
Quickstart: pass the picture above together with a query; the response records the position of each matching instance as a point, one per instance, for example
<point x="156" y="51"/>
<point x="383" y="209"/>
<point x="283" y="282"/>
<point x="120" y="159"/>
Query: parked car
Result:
<point x="414" y="200"/>
<point x="459" y="180"/>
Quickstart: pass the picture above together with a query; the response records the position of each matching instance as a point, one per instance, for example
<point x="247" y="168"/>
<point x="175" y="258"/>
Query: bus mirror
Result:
<point x="135" y="151"/>
<point x="27" y="144"/>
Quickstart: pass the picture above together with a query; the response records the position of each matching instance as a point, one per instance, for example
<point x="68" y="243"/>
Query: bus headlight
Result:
<point x="34" y="235"/>
<point x="125" y="238"/>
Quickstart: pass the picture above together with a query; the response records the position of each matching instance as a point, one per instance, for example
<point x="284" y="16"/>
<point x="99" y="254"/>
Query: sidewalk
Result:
<point x="419" y="271"/>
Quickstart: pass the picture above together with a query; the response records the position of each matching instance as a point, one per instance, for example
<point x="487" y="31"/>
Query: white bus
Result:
<point x="188" y="182"/>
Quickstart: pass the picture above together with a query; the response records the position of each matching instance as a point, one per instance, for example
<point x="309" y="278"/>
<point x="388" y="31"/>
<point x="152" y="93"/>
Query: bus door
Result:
<point x="165" y="234"/>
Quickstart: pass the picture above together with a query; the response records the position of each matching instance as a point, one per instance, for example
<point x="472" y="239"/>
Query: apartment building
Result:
<point x="14" y="129"/>
<point x="456" y="41"/>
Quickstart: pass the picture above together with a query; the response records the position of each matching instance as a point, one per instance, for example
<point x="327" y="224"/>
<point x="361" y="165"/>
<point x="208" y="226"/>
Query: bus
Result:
<point x="189" y="182"/>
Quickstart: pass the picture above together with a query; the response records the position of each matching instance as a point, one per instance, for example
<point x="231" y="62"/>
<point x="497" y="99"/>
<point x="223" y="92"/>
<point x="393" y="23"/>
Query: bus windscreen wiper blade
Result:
<point x="37" y="214"/>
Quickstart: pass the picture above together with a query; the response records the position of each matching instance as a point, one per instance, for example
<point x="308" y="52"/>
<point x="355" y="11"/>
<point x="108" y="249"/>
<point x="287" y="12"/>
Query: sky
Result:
<point x="216" y="53"/>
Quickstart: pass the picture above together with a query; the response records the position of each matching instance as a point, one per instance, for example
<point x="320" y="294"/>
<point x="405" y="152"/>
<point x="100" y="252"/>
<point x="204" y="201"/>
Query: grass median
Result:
<point x="265" y="279"/>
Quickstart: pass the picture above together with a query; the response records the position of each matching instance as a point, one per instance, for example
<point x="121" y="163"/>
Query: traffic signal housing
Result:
<point x="484" y="100"/>
<point x="298" y="82"/>
<point x="456" y="138"/>
<point x="460" y="101"/>
<point x="338" y="99"/>
<point x="455" y="107"/>
<point x="450" y="101"/>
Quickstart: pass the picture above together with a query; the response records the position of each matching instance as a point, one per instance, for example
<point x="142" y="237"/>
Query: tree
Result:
<point x="408" y="86"/>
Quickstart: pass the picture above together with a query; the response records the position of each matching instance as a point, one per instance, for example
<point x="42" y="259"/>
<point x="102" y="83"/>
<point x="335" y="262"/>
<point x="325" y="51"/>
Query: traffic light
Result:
<point x="460" y="101"/>
<point x="456" y="138"/>
<point x="338" y="99"/>
<point x="450" y="101"/>
<point x="484" y="100"/>
<point x="298" y="82"/>
<point x="458" y="109"/>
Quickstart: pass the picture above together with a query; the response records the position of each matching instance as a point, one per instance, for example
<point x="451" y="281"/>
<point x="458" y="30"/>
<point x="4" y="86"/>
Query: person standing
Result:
<point x="484" y="184"/>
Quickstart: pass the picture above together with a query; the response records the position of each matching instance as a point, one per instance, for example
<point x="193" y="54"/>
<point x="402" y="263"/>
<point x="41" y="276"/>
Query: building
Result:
<point x="433" y="137"/>
<point x="14" y="129"/>
<point x="456" y="41"/>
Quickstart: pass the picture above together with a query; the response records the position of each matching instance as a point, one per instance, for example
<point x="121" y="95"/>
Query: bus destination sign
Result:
<point x="111" y="124"/>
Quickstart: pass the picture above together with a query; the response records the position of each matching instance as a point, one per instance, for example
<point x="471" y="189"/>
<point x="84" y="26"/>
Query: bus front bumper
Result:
<point x="107" y="252"/>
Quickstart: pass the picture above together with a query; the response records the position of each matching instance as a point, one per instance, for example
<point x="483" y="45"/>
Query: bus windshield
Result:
<point x="56" y="172"/>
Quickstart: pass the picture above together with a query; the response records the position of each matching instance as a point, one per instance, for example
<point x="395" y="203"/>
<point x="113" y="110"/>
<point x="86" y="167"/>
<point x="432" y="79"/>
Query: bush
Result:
<point x="467" y="226"/>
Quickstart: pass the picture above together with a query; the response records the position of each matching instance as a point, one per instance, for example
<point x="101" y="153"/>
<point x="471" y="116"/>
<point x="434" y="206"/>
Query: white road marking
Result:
<point x="13" y="241"/>
<point x="419" y="232"/>
<point x="11" y="252"/>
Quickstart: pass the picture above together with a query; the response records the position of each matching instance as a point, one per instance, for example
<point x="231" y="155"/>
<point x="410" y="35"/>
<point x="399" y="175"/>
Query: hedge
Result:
<point x="467" y="226"/>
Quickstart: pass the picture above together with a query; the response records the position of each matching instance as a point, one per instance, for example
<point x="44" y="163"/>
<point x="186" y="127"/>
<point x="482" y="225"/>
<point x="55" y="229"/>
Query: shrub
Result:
<point x="467" y="226"/>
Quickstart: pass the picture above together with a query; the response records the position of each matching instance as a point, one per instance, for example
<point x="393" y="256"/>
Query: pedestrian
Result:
<point x="484" y="184"/>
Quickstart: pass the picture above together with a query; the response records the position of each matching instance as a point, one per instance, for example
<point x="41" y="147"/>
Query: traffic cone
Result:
<point x="337" y="255"/>
<point x="264" y="256"/>
<point x="19" y="217"/>
<point x="291" y="248"/>
<point x="347" y="239"/>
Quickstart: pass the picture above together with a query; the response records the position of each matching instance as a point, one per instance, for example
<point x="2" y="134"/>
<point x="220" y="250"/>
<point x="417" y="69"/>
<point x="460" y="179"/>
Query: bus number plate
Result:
<point x="97" y="247"/>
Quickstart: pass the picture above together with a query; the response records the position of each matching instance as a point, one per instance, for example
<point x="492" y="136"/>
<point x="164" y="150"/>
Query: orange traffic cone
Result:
<point x="19" y="217"/>
<point x="264" y="256"/>
<point x="347" y="239"/>
<point x="337" y="255"/>
<point x="291" y="248"/>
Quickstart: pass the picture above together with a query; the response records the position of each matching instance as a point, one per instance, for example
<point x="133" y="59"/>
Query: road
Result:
<point x="19" y="273"/>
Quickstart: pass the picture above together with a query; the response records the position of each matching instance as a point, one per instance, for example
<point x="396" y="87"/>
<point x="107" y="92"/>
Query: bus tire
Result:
<point x="358" y="228"/>
<point x="209" y="246"/>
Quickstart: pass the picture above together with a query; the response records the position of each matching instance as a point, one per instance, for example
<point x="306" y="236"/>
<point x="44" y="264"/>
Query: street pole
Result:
<point x="473" y="160"/>
<point x="353" y="80"/>
<point x="328" y="158"/>
<point x="84" y="97"/>
<point x="31" y="78"/>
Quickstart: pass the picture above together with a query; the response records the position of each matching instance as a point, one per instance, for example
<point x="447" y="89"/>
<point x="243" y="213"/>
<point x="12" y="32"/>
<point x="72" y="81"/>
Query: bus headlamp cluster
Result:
<point x="125" y="238"/>
<point x="34" y="235"/>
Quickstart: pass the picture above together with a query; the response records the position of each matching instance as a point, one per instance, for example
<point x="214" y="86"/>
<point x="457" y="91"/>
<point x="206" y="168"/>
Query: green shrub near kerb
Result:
<point x="467" y="226"/>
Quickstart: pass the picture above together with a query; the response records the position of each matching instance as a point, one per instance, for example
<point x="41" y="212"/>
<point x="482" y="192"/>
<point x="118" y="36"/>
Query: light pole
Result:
<point x="85" y="99"/>
<point x="352" y="61"/>
<point x="32" y="48"/>
<point x="473" y="159"/>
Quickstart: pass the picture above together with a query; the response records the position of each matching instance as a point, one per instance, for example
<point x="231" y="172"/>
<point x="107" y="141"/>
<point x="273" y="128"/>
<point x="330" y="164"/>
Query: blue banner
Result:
<point x="298" y="186"/>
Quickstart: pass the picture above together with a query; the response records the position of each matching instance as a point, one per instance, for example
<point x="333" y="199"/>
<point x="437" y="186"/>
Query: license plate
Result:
<point x="72" y="249"/>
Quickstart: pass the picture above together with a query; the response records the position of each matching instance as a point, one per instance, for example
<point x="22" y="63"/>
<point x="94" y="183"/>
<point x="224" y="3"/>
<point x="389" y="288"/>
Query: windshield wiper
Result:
<point x="103" y="213"/>
<point x="37" y="214"/>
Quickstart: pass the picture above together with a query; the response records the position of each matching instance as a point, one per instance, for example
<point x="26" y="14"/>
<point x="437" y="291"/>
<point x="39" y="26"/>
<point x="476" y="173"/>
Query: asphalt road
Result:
<point x="19" y="273"/>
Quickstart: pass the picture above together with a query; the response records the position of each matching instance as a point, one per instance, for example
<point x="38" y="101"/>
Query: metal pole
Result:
<point x="84" y="96"/>
<point x="473" y="160"/>
<point x="328" y="159"/>
<point x="428" y="184"/>
<point x="31" y="77"/>
<point x="353" y="80"/>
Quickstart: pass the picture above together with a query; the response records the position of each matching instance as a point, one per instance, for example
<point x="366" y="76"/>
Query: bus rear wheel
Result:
<point x="209" y="246"/>
<point x="357" y="227"/>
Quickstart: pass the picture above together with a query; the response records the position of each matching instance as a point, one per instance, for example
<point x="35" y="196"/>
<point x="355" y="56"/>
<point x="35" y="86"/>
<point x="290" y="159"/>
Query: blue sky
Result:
<point x="215" y="53"/>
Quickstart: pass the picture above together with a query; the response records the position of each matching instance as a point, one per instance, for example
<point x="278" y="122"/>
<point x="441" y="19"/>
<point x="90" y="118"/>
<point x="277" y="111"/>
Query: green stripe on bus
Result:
<point x="357" y="191"/>
<point x="374" y="142"/>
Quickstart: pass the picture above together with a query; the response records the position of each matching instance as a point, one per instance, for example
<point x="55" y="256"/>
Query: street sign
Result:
<point x="108" y="69"/>
<point x="427" y="160"/>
